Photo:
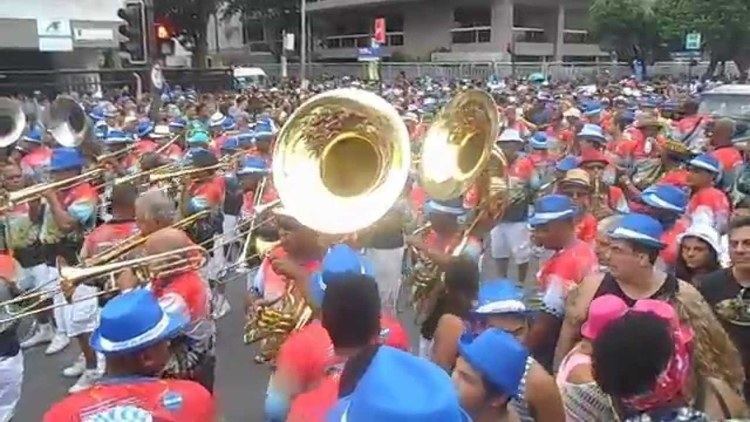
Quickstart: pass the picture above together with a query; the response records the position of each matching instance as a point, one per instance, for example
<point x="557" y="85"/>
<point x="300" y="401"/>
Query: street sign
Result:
<point x="685" y="55"/>
<point x="369" y="54"/>
<point x="693" y="41"/>
<point x="289" y="41"/>
<point x="54" y="34"/>
<point x="379" y="33"/>
<point x="93" y="34"/>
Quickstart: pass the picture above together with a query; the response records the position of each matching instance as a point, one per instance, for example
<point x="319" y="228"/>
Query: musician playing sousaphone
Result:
<point x="438" y="245"/>
<point x="297" y="255"/>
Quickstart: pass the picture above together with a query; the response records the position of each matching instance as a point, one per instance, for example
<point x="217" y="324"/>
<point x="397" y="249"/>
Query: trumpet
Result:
<point x="10" y="200"/>
<point x="191" y="258"/>
<point x="135" y="241"/>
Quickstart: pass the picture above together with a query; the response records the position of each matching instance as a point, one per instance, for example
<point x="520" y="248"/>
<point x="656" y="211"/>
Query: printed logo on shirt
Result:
<point x="172" y="401"/>
<point x="121" y="413"/>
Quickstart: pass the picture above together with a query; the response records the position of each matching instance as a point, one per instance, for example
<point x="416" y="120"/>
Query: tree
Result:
<point x="189" y="22"/>
<point x="726" y="34"/>
<point x="276" y="15"/>
<point x="626" y="26"/>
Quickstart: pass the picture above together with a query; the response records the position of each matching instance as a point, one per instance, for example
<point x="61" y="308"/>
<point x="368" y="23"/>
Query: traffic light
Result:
<point x="134" y="31"/>
<point x="164" y="41"/>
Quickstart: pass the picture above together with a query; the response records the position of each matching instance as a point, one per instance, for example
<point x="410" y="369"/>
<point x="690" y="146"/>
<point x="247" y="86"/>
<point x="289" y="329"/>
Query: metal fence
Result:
<point x="217" y="79"/>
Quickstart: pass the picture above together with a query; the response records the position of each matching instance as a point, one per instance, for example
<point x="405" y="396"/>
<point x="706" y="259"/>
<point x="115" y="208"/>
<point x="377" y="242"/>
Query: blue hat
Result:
<point x="198" y="137"/>
<point x="34" y="134"/>
<point x="109" y="110"/>
<point x="216" y="120"/>
<point x="639" y="228"/>
<point x="539" y="140"/>
<point x="665" y="197"/>
<point x="229" y="123"/>
<point x="232" y="144"/>
<point x="499" y="296"/>
<point x="451" y="206"/>
<point x="627" y="117"/>
<point x="178" y="123"/>
<point x="591" y="108"/>
<point x="266" y="124"/>
<point x="552" y="208"/>
<point x="117" y="136"/>
<point x="398" y="386"/>
<point x="569" y="162"/>
<point x="144" y="128"/>
<point x="97" y="113"/>
<point x="593" y="132"/>
<point x="537" y="77"/>
<point x="706" y="162"/>
<point x="339" y="261"/>
<point x="498" y="356"/>
<point x="134" y="321"/>
<point x="253" y="165"/>
<point x="64" y="158"/>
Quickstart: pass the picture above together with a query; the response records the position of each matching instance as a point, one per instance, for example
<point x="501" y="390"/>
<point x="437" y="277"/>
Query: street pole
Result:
<point x="284" y="73"/>
<point x="303" y="42"/>
<point x="150" y="29"/>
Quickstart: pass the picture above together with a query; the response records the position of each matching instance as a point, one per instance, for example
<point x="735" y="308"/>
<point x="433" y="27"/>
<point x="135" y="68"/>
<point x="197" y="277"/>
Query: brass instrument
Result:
<point x="169" y="143"/>
<point x="135" y="241"/>
<point x="10" y="200"/>
<point x="225" y="163"/>
<point x="735" y="310"/>
<point x="599" y="207"/>
<point x="12" y="121"/>
<point x="459" y="152"/>
<point x="66" y="121"/>
<point x="115" y="154"/>
<point x="347" y="151"/>
<point x="190" y="258"/>
<point x="135" y="176"/>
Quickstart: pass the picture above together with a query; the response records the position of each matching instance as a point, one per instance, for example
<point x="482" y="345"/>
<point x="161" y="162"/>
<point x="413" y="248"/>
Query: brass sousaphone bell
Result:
<point x="12" y="121"/>
<point x="67" y="122"/>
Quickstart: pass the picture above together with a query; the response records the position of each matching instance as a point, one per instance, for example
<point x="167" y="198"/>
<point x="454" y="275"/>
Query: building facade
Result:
<point x="54" y="34"/>
<point x="455" y="30"/>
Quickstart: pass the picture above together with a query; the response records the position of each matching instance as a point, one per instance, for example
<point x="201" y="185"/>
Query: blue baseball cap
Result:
<point x="499" y="296"/>
<point x="498" y="356"/>
<point x="665" y="197"/>
<point x="552" y="208"/>
<point x="398" y="386"/>
<point x="64" y="158"/>
<point x="134" y="321"/>
<point x="339" y="261"/>
<point x="639" y="228"/>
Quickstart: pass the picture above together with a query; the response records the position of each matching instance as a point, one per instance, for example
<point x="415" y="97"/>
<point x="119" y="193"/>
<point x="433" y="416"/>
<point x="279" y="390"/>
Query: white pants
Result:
<point x="82" y="316"/>
<point x="215" y="263"/>
<point x="387" y="266"/>
<point x="230" y="231"/>
<point x="511" y="238"/>
<point x="11" y="379"/>
<point x="36" y="277"/>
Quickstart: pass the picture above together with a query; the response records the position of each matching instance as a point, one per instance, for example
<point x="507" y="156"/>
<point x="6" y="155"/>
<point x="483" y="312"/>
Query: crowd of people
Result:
<point x="630" y="201"/>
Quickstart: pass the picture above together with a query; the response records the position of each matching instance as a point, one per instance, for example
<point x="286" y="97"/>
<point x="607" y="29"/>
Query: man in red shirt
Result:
<point x="105" y="236"/>
<point x="707" y="205"/>
<point x="310" y="361"/>
<point x="134" y="336"/>
<point x="553" y="228"/>
<point x="725" y="152"/>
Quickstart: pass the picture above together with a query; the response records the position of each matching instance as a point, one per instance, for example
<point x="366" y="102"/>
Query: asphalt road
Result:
<point x="240" y="383"/>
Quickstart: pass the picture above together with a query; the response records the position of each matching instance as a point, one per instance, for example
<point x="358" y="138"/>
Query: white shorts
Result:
<point x="511" y="238"/>
<point x="387" y="265"/>
<point x="11" y="379"/>
<point x="82" y="315"/>
<point x="37" y="278"/>
<point x="229" y="225"/>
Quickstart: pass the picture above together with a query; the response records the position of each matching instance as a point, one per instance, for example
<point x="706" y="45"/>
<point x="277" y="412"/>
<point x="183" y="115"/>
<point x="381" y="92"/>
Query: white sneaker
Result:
<point x="44" y="333"/>
<point x="87" y="379"/>
<point x="222" y="307"/>
<point x="59" y="342"/>
<point x="76" y="369"/>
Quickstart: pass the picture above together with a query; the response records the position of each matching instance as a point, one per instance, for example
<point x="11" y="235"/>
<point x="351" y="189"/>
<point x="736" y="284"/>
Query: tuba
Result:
<point x="67" y="122"/>
<point x="458" y="154"/>
<point x="12" y="121"/>
<point x="339" y="163"/>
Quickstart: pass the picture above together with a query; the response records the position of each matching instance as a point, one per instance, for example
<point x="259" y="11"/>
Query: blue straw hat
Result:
<point x="498" y="356"/>
<point x="639" y="228"/>
<point x="339" y="261"/>
<point x="665" y="197"/>
<point x="499" y="296"/>
<point x="65" y="158"/>
<point x="552" y="208"/>
<point x="706" y="162"/>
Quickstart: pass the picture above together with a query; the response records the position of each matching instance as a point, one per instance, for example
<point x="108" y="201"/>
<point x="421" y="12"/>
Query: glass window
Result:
<point x="253" y="31"/>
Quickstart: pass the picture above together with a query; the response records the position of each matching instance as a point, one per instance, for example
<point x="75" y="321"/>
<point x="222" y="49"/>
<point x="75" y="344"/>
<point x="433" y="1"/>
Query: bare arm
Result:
<point x="445" y="346"/>
<point x="543" y="395"/>
<point x="576" y="309"/>
<point x="64" y="221"/>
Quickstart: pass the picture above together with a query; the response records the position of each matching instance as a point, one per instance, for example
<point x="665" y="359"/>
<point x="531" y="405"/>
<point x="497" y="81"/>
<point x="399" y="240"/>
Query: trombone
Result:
<point x="169" y="143"/>
<point x="224" y="164"/>
<point x="115" y="154"/>
<point x="10" y="200"/>
<point x="190" y="258"/>
<point x="135" y="241"/>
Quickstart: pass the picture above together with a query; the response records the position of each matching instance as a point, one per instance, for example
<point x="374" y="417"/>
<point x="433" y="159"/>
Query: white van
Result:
<point x="727" y="101"/>
<point x="245" y="77"/>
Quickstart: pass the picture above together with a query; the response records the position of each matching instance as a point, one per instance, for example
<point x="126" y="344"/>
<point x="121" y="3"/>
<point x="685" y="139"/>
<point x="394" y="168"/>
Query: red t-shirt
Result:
<point x="106" y="236"/>
<point x="165" y="400"/>
<point x="313" y="405"/>
<point x="586" y="228"/>
<point x="728" y="157"/>
<point x="677" y="177"/>
<point x="709" y="206"/>
<point x="308" y="354"/>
